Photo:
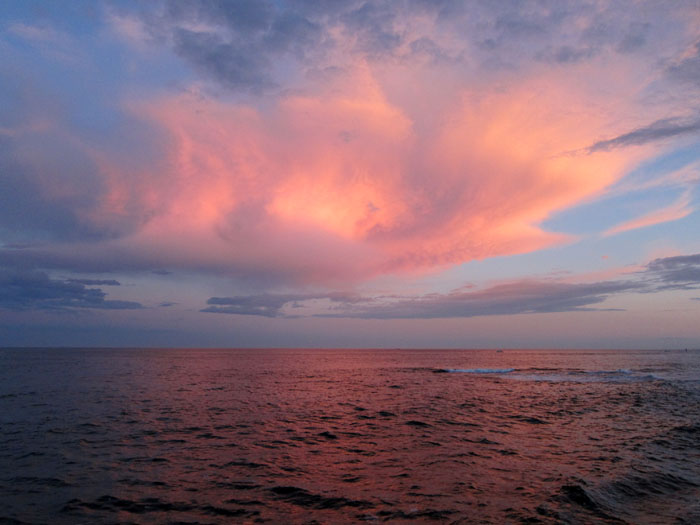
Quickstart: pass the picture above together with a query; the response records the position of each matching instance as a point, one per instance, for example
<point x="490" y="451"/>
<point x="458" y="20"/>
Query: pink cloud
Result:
<point x="345" y="184"/>
<point x="677" y="210"/>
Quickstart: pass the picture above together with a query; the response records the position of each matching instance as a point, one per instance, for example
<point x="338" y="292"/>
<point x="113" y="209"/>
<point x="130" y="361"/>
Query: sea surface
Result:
<point x="349" y="436"/>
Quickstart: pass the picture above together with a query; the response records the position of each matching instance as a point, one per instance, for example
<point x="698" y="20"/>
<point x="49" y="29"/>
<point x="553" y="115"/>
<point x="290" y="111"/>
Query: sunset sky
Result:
<point x="413" y="173"/>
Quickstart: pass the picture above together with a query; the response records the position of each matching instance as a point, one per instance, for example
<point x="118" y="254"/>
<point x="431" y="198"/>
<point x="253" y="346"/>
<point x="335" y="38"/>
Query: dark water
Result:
<point x="346" y="436"/>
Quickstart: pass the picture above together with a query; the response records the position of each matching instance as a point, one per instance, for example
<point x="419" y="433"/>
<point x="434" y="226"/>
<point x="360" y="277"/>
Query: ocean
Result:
<point x="349" y="436"/>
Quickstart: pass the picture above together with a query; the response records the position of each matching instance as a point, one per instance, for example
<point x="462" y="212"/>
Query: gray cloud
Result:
<point x="83" y="257"/>
<point x="265" y="305"/>
<point x="239" y="43"/>
<point x="635" y="38"/>
<point x="243" y="39"/>
<point x="515" y="20"/>
<point x="566" y="54"/>
<point x="659" y="130"/>
<point x="95" y="282"/>
<point x="246" y="16"/>
<point x="506" y="299"/>
<point x="231" y="65"/>
<point x="688" y="69"/>
<point x="512" y="298"/>
<point x="51" y="181"/>
<point x="681" y="272"/>
<point x="27" y="205"/>
<point x="270" y="305"/>
<point x="120" y="257"/>
<point x="35" y="290"/>
<point x="427" y="47"/>
<point x="372" y="24"/>
<point x="518" y="297"/>
<point x="235" y="42"/>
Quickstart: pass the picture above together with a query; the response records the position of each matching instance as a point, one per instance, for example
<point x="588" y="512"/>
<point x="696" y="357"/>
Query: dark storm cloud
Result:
<point x="659" y="130"/>
<point x="35" y="290"/>
<point x="518" y="297"/>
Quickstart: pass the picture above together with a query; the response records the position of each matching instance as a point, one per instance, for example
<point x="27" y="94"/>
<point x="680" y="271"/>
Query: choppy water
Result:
<point x="346" y="436"/>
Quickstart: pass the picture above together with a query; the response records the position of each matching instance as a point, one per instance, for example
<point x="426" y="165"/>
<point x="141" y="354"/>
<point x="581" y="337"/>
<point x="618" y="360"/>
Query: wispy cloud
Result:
<point x="518" y="297"/>
<point x="677" y="210"/>
<point x="271" y="305"/>
<point x="509" y="298"/>
<point x="659" y="130"/>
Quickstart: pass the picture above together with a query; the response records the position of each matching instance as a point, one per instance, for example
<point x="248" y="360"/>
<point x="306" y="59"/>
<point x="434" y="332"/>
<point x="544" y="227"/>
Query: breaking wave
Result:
<point x="561" y="375"/>
<point x="481" y="370"/>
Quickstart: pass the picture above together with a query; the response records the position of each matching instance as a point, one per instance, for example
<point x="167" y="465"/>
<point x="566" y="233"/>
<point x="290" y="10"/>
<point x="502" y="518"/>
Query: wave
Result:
<point x="480" y="370"/>
<point x="560" y="375"/>
<point x="651" y="496"/>
<point x="303" y="498"/>
<point x="112" y="504"/>
<point x="588" y="376"/>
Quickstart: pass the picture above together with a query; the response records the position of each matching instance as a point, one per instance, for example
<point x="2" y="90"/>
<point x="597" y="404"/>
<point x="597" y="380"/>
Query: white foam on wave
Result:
<point x="620" y="375"/>
<point x="482" y="370"/>
<point x="589" y="376"/>
<point x="619" y="371"/>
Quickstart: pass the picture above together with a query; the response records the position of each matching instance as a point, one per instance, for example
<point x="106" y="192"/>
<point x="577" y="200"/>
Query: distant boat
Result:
<point x="499" y="351"/>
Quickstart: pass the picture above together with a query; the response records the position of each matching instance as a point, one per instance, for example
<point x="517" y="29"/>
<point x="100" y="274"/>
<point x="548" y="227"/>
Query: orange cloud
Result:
<point x="341" y="184"/>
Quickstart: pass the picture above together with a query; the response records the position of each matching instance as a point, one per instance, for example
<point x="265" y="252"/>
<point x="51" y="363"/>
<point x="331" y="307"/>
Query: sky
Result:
<point x="407" y="173"/>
